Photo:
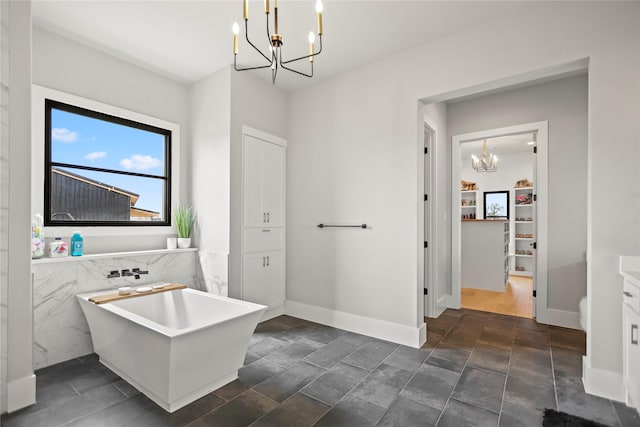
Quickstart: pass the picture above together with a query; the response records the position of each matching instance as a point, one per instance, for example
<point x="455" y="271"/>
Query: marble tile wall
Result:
<point x="4" y="192"/>
<point x="60" y="329"/>
<point x="214" y="272"/>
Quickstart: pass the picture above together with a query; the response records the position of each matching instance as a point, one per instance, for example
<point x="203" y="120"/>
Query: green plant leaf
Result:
<point x="184" y="219"/>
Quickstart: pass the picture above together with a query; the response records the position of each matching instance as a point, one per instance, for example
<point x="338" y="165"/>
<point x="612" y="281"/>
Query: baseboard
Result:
<point x="565" y="319"/>
<point x="607" y="384"/>
<point x="422" y="334"/>
<point x="442" y="305"/>
<point x="394" y="332"/>
<point x="21" y="393"/>
<point x="272" y="312"/>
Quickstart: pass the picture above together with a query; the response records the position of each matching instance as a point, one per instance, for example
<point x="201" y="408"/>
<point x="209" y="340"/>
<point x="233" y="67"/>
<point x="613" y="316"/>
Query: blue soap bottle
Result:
<point x="77" y="244"/>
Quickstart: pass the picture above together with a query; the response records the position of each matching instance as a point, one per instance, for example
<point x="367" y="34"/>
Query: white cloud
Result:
<point x="140" y="162"/>
<point x="96" y="155"/>
<point x="63" y="135"/>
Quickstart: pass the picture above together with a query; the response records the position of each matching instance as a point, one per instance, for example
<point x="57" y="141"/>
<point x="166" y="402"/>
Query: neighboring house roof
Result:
<point x="135" y="212"/>
<point x="143" y="213"/>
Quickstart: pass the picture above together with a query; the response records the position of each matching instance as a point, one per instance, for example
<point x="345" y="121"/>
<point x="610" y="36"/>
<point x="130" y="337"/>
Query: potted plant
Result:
<point x="184" y="220"/>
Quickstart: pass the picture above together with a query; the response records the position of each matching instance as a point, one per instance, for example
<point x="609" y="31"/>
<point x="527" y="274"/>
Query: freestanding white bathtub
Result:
<point x="173" y="346"/>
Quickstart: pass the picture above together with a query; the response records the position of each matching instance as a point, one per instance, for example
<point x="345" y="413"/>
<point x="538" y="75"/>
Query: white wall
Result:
<point x="4" y="195"/>
<point x="564" y="104"/>
<point x="211" y="163"/>
<point x="220" y="105"/>
<point x="68" y="66"/>
<point x="261" y="105"/>
<point x="353" y="146"/>
<point x="20" y="379"/>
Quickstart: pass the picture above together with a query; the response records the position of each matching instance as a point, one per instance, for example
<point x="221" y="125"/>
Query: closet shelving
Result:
<point x="469" y="204"/>
<point x="524" y="231"/>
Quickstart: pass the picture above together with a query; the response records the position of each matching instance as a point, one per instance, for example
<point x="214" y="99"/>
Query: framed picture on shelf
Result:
<point x="496" y="205"/>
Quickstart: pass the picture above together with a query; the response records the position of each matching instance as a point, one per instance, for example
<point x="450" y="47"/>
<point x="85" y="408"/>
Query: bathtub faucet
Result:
<point x="137" y="272"/>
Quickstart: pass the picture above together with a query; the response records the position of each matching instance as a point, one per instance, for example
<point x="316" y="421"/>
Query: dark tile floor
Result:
<point x="477" y="369"/>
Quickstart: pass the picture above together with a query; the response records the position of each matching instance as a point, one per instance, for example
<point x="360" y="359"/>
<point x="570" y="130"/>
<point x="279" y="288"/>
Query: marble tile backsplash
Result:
<point x="60" y="329"/>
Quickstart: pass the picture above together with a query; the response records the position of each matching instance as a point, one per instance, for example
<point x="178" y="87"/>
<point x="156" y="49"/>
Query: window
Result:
<point x="103" y="170"/>
<point x="496" y="205"/>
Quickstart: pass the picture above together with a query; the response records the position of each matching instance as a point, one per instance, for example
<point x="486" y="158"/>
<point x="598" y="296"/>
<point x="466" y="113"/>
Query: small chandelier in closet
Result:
<point x="274" y="58"/>
<point x="484" y="164"/>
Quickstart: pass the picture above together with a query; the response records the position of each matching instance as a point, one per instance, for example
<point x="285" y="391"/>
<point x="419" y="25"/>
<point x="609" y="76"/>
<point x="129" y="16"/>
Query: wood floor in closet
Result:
<point x="516" y="300"/>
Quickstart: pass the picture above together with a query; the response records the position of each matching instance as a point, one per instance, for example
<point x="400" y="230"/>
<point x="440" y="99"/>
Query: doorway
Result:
<point x="518" y="229"/>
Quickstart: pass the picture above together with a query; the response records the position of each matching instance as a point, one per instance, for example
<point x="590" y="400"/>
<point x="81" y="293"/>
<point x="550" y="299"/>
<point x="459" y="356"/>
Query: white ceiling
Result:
<point x="500" y="146"/>
<point x="189" y="40"/>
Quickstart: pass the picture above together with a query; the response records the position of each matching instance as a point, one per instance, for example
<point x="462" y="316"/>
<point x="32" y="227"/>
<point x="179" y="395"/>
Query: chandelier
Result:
<point x="274" y="58"/>
<point x="484" y="164"/>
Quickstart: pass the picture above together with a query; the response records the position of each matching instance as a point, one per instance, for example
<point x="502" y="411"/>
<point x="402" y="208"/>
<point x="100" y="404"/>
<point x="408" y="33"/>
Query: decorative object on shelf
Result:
<point x="172" y="243"/>
<point x="524" y="199"/>
<point x="484" y="164"/>
<point x="58" y="248"/>
<point x="523" y="183"/>
<point x="185" y="219"/>
<point x="37" y="236"/>
<point x="274" y="58"/>
<point x="467" y="185"/>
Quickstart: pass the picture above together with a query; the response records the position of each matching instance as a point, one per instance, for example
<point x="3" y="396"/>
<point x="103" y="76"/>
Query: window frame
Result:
<point x="484" y="202"/>
<point x="132" y="111"/>
<point x="51" y="104"/>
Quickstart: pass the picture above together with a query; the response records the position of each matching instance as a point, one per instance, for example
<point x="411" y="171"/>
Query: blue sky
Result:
<point x="86" y="141"/>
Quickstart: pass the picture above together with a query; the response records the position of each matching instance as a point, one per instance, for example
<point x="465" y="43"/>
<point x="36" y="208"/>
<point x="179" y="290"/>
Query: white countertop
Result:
<point x="109" y="255"/>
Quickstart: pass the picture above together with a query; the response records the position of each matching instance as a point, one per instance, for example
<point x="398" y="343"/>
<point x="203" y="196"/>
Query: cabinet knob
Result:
<point x="264" y="217"/>
<point x="634" y="334"/>
<point x="267" y="261"/>
<point x="264" y="261"/>
<point x="627" y="294"/>
<point x="267" y="216"/>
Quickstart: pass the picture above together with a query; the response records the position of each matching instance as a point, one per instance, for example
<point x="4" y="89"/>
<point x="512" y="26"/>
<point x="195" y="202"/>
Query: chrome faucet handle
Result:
<point x="112" y="274"/>
<point x="138" y="271"/>
<point x="126" y="272"/>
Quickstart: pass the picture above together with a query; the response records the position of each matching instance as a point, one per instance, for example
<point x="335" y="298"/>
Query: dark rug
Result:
<point x="553" y="418"/>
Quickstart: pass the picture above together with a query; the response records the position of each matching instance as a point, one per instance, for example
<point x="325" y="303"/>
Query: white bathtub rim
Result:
<point x="179" y="402"/>
<point x="161" y="329"/>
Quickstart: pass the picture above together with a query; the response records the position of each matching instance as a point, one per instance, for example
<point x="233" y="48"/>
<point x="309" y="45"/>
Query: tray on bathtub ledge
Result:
<point x="102" y="299"/>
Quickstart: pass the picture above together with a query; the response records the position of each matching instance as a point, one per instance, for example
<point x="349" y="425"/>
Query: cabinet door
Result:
<point x="274" y="279"/>
<point x="631" y="354"/>
<point x="252" y="277"/>
<point x="274" y="184"/>
<point x="252" y="182"/>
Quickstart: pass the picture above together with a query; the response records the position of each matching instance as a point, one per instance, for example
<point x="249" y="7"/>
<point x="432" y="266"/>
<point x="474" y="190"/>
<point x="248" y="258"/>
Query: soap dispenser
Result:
<point x="77" y="244"/>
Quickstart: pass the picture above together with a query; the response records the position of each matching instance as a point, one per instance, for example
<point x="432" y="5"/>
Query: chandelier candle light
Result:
<point x="484" y="164"/>
<point x="274" y="58"/>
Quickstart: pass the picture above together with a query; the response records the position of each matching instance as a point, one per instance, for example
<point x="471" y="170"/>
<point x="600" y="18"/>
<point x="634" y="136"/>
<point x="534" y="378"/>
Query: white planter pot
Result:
<point x="184" y="242"/>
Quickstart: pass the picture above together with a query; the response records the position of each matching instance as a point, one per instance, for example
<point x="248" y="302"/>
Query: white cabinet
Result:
<point x="630" y="270"/>
<point x="264" y="165"/>
<point x="631" y="355"/>
<point x="263" y="260"/>
<point x="263" y="275"/>
<point x="484" y="254"/>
